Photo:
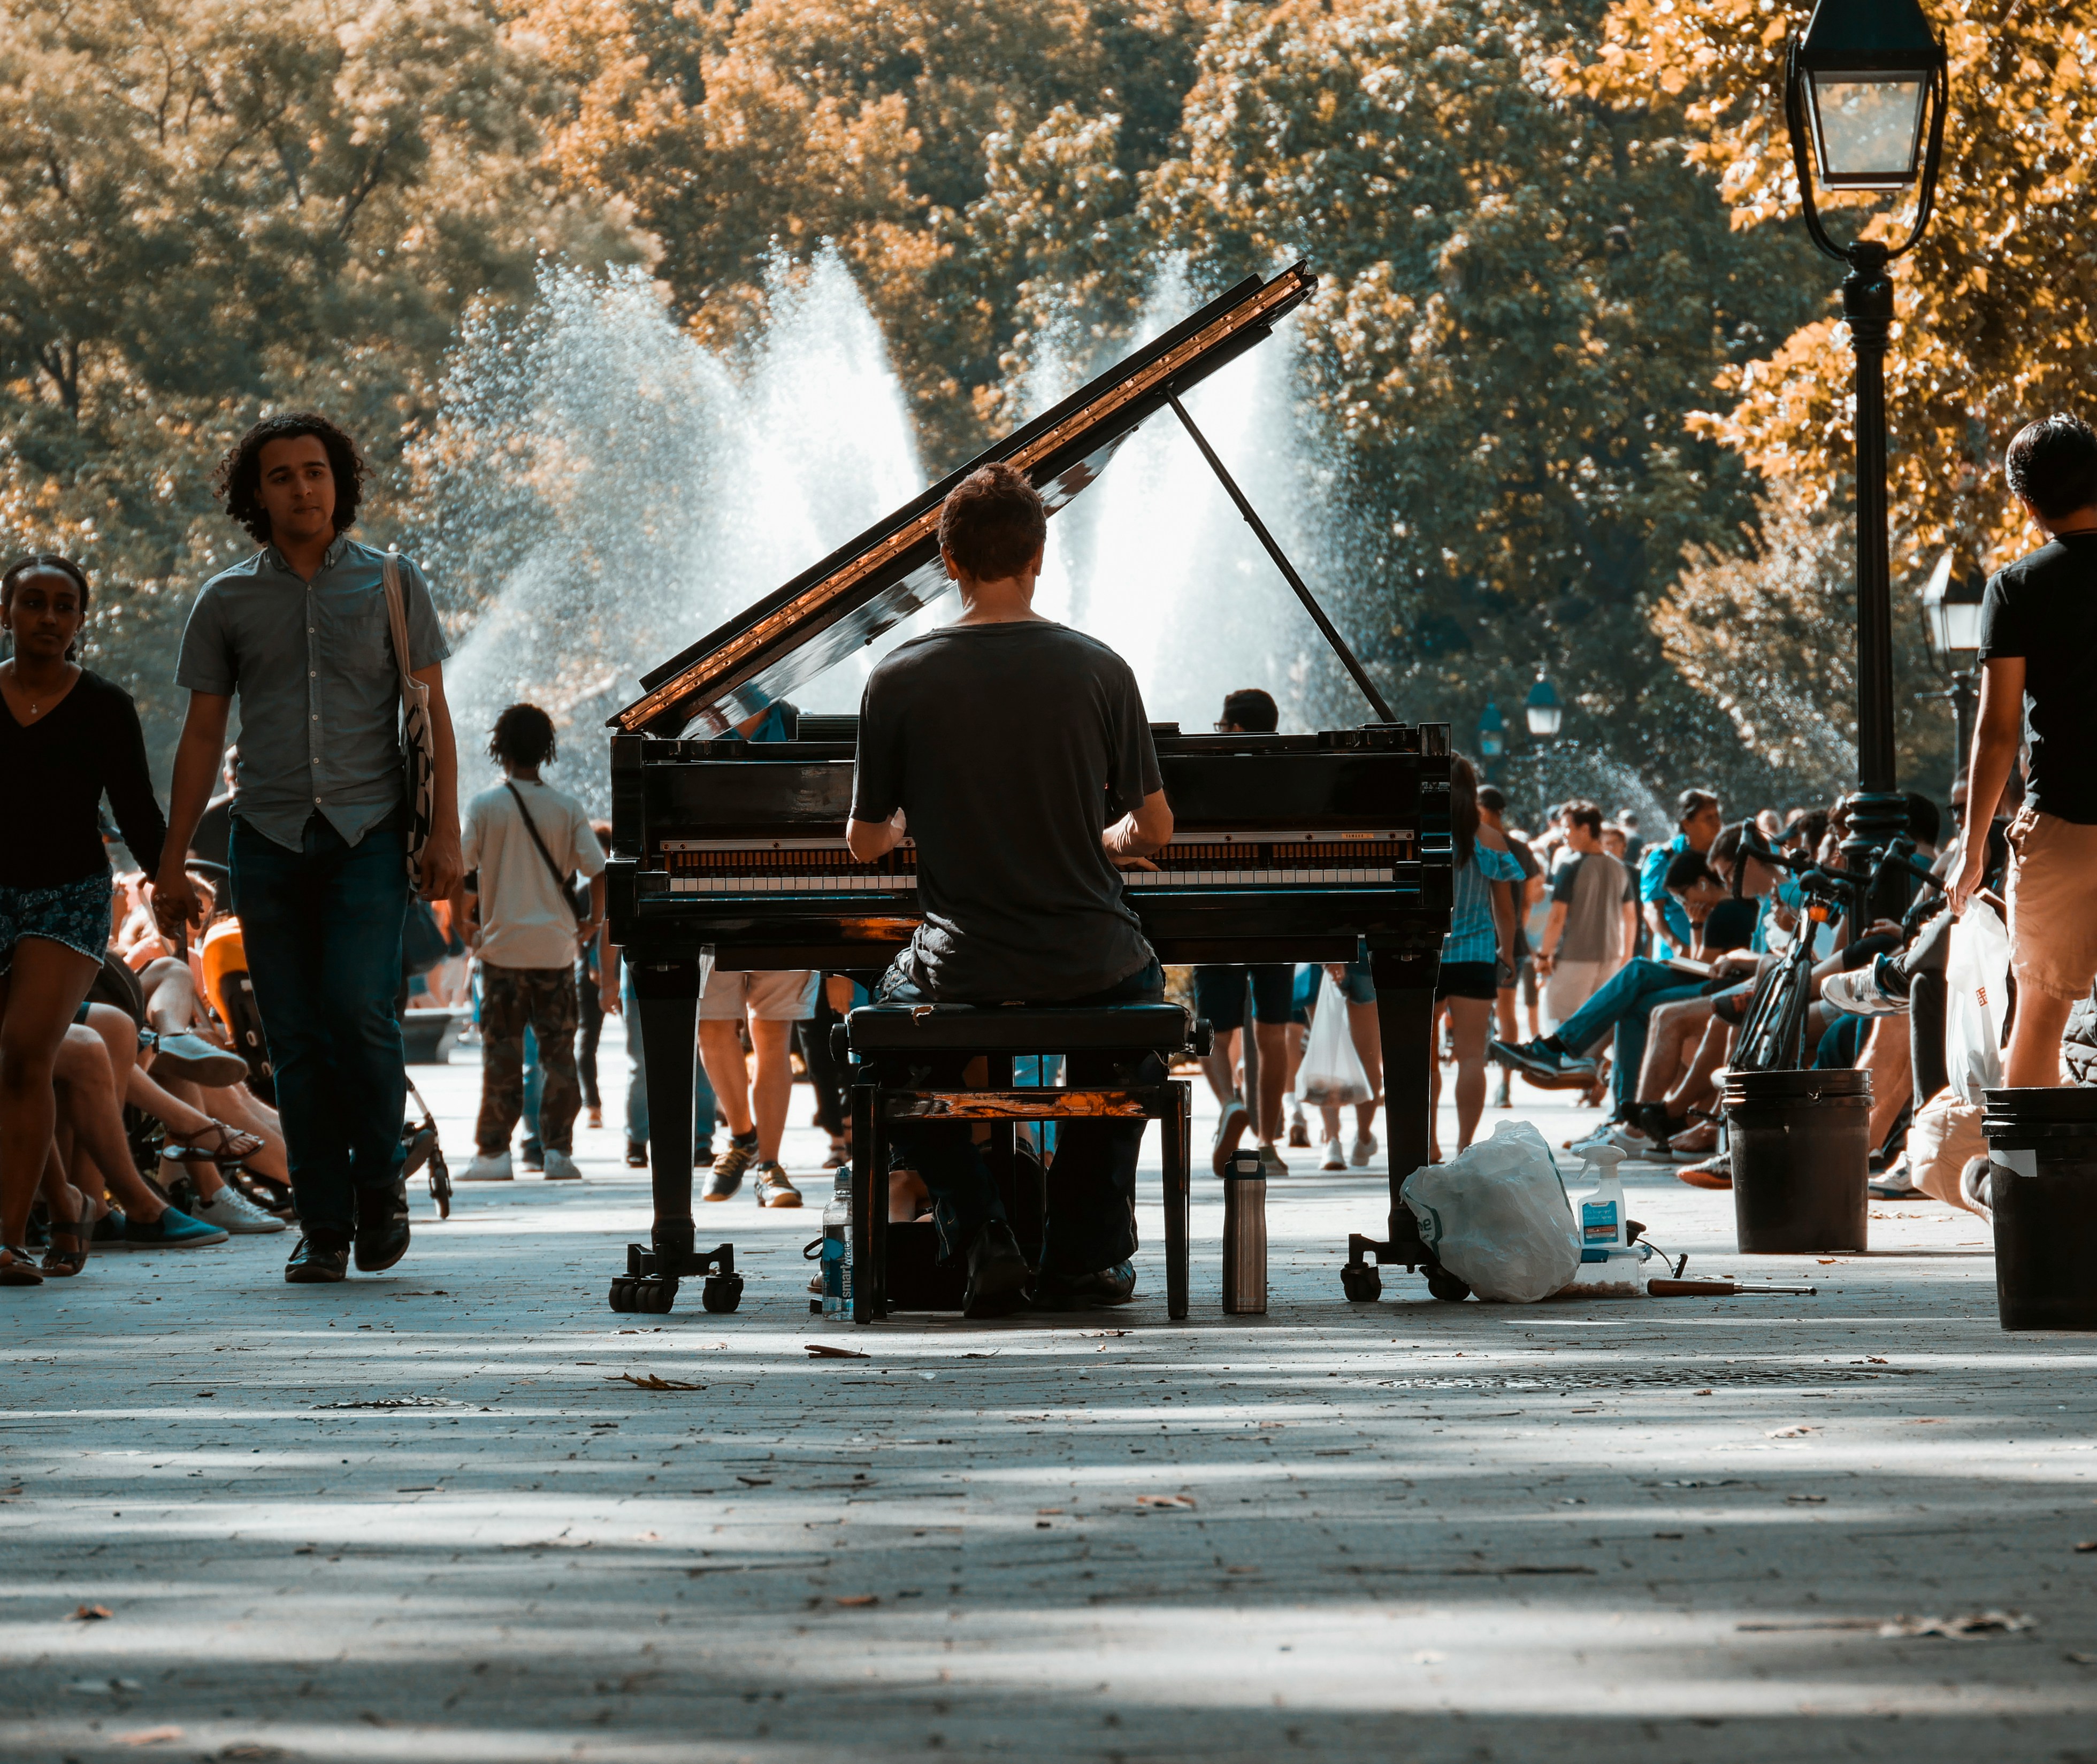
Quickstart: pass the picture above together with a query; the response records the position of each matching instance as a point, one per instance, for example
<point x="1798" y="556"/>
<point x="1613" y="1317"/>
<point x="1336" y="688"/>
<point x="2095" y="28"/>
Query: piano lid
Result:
<point x="874" y="582"/>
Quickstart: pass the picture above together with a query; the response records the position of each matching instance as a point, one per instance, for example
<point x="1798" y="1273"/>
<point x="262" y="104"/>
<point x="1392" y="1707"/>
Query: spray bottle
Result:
<point x="1611" y="1265"/>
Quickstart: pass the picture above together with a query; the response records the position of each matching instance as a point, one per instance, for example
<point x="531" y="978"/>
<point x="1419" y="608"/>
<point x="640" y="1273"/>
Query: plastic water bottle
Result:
<point x="1602" y="1216"/>
<point x="837" y="1248"/>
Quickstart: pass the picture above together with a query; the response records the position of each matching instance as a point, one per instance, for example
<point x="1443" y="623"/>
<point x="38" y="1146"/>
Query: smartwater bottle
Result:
<point x="1245" y="1235"/>
<point x="837" y="1248"/>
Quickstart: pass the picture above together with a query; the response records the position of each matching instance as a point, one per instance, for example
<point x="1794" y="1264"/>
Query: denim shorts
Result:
<point x="74" y="913"/>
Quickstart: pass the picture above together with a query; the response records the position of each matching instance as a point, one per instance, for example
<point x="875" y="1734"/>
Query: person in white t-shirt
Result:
<point x="524" y="842"/>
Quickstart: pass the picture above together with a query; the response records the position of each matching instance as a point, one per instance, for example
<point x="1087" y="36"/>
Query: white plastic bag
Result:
<point x="1499" y="1218"/>
<point x="1976" y="984"/>
<point x="1331" y="1074"/>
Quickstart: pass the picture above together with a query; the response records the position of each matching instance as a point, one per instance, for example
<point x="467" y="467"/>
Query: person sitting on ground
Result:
<point x="523" y="841"/>
<point x="996" y="740"/>
<point x="2038" y="634"/>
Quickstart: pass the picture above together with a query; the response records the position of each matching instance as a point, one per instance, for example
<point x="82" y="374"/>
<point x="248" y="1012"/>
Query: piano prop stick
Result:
<point x="1287" y="847"/>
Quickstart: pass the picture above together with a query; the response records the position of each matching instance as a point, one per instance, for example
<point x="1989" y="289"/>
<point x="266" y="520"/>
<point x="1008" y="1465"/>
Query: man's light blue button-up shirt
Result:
<point x="312" y="663"/>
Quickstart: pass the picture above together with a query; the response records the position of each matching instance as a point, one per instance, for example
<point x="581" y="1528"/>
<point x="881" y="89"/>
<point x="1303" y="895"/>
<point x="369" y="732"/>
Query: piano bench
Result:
<point x="909" y="1058"/>
<point x="1019" y="1029"/>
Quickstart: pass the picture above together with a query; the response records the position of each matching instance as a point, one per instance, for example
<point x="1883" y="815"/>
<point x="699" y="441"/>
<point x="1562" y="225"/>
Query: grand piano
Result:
<point x="1287" y="847"/>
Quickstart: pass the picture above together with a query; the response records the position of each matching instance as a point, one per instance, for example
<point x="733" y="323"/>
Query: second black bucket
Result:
<point x="1801" y="1158"/>
<point x="2043" y="1188"/>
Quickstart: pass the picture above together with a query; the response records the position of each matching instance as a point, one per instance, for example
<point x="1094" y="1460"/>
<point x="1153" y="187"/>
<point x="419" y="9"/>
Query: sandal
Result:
<point x="62" y="1261"/>
<point x="235" y="1145"/>
<point x="17" y="1269"/>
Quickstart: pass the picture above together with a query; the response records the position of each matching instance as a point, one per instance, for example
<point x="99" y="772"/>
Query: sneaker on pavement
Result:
<point x="1270" y="1161"/>
<point x="1335" y="1158"/>
<point x="488" y="1167"/>
<point x="383" y="1230"/>
<point x="560" y="1166"/>
<point x="636" y="1154"/>
<point x="1712" y="1173"/>
<point x="1364" y="1148"/>
<point x="183" y="1055"/>
<point x="1113" y="1286"/>
<point x="1626" y="1139"/>
<point x="729" y="1169"/>
<point x="1864" y="992"/>
<point x="231" y="1210"/>
<point x="531" y="1155"/>
<point x="1299" y="1129"/>
<point x="174" y="1229"/>
<point x="1540" y="1060"/>
<point x="1230" y="1128"/>
<point x="998" y="1273"/>
<point x="317" y="1263"/>
<point x="774" y="1187"/>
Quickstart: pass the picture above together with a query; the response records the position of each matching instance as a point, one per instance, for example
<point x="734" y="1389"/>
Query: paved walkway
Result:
<point x="432" y="1517"/>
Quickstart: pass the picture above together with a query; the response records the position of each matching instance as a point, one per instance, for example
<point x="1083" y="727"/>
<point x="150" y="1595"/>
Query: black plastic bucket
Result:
<point x="1801" y="1157"/>
<point x="2043" y="1186"/>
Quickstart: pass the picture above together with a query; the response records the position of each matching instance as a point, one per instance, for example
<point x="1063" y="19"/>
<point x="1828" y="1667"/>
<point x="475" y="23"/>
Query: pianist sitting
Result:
<point x="1002" y="742"/>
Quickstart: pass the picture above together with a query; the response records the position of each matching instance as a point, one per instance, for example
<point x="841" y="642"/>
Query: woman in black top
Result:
<point x="67" y="736"/>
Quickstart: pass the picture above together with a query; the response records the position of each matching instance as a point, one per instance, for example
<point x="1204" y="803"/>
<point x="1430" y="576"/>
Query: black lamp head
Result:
<point x="1867" y="67"/>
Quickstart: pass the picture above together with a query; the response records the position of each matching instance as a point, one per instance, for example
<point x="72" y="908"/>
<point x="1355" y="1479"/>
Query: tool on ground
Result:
<point x="1726" y="1289"/>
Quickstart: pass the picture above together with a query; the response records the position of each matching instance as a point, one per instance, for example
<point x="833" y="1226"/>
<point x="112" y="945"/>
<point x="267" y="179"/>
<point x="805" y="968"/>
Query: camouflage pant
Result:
<point x="546" y="998"/>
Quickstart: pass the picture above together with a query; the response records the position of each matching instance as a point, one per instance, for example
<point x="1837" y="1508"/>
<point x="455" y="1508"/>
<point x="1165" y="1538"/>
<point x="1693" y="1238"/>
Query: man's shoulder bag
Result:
<point x="561" y="883"/>
<point x="418" y="740"/>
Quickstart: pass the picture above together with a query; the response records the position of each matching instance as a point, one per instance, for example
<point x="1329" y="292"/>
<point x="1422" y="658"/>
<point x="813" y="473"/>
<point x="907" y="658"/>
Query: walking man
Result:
<point x="1593" y="921"/>
<point x="523" y="841"/>
<point x="2038" y="633"/>
<point x="300" y="632"/>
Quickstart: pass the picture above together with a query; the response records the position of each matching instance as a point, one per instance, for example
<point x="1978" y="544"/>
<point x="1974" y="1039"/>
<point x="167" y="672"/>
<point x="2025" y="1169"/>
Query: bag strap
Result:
<point x="397" y="616"/>
<point x="553" y="869"/>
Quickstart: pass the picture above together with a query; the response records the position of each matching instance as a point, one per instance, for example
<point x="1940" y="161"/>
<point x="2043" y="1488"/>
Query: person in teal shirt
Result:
<point x="1697" y="822"/>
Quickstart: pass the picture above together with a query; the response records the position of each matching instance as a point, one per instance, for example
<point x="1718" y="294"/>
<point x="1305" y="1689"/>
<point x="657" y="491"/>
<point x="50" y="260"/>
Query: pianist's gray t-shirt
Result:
<point x="1009" y="747"/>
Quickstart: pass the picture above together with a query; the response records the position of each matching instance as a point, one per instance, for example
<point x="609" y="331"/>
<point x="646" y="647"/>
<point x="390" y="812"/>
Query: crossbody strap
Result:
<point x="553" y="869"/>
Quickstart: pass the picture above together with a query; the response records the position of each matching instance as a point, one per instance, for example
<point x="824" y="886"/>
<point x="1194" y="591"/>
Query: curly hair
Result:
<point x="238" y="482"/>
<point x="522" y="736"/>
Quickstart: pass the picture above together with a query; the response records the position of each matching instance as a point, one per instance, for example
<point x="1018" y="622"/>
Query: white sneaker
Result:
<point x="560" y="1166"/>
<point x="231" y="1210"/>
<point x="1365" y="1149"/>
<point x="484" y="1168"/>
<point x="1626" y="1139"/>
<point x="1230" y="1128"/>
<point x="1335" y="1158"/>
<point x="1299" y="1129"/>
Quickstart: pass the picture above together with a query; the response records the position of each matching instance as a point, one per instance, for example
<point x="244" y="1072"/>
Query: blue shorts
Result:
<point x="74" y="913"/>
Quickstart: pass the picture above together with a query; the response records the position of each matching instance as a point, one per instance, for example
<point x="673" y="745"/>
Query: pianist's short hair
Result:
<point x="992" y="523"/>
<point x="1252" y="710"/>
<point x="522" y="736"/>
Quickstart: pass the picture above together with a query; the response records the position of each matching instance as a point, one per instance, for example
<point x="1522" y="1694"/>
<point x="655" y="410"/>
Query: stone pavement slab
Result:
<point x="430" y="1515"/>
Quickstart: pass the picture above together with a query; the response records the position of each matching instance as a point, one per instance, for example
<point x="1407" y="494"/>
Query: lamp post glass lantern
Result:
<point x="1492" y="732"/>
<point x="1544" y="711"/>
<point x="1865" y="87"/>
<point x="1952" y="617"/>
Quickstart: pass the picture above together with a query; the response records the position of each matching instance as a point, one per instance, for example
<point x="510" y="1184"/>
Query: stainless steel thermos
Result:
<point x="1245" y="1235"/>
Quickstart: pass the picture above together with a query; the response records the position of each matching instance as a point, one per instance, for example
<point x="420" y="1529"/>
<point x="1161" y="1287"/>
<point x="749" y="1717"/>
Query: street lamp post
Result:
<point x="1865" y="87"/>
<point x="1492" y="736"/>
<point x="1951" y="615"/>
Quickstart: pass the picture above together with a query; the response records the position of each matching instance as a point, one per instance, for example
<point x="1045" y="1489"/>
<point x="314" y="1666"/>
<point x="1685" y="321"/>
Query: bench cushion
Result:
<point x="1017" y="1029"/>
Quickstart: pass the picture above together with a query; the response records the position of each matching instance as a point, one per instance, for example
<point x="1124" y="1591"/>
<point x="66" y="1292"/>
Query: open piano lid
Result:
<point x="872" y="583"/>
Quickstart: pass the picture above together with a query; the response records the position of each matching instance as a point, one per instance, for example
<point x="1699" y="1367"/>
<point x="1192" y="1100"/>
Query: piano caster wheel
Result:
<point x="658" y="1296"/>
<point x="1363" y="1284"/>
<point x="623" y="1297"/>
<point x="1441" y="1284"/>
<point x="721" y="1293"/>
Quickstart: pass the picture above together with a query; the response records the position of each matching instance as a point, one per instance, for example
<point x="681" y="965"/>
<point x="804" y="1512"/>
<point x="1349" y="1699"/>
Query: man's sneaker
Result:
<point x="1633" y="1142"/>
<point x="488" y="1167"/>
<point x="1364" y="1148"/>
<point x="774" y="1188"/>
<point x="1712" y="1173"/>
<point x="636" y="1154"/>
<point x="183" y="1055"/>
<point x="1230" y="1128"/>
<point x="318" y="1264"/>
<point x="998" y="1273"/>
<point x="560" y="1166"/>
<point x="174" y="1229"/>
<point x="729" y="1169"/>
<point x="1114" y="1285"/>
<point x="231" y="1210"/>
<point x="1335" y="1158"/>
<point x="1540" y="1059"/>
<point x="1270" y="1160"/>
<point x="1299" y="1129"/>
<point x="531" y="1155"/>
<point x="381" y="1226"/>
<point x="1867" y="992"/>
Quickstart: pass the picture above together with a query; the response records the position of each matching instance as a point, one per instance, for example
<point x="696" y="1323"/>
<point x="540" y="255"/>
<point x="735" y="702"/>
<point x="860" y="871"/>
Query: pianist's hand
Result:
<point x="1121" y="862"/>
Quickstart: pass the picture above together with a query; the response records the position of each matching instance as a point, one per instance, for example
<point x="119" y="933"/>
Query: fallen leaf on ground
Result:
<point x="1701" y="1393"/>
<point x="149" y="1737"/>
<point x="1789" y="1432"/>
<point x="1967" y="1623"/>
<point x="649" y="1382"/>
<point x="1926" y="1420"/>
<point x="824" y="1350"/>
<point x="246" y="1752"/>
<point x="1807" y="1500"/>
<point x="90" y="1613"/>
<point x="1165" y="1500"/>
<point x="1059" y="1509"/>
<point x="755" y="1482"/>
<point x="1089" y="1333"/>
<point x="858" y="1598"/>
<point x="2087" y="1549"/>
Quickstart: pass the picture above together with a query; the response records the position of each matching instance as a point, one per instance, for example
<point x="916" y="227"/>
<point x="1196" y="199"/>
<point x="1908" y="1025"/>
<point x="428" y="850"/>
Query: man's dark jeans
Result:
<point x="322" y="927"/>
<point x="1091" y="1222"/>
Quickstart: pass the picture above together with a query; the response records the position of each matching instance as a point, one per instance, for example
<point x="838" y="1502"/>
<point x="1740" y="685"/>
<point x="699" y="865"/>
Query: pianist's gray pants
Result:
<point x="1091" y="1189"/>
